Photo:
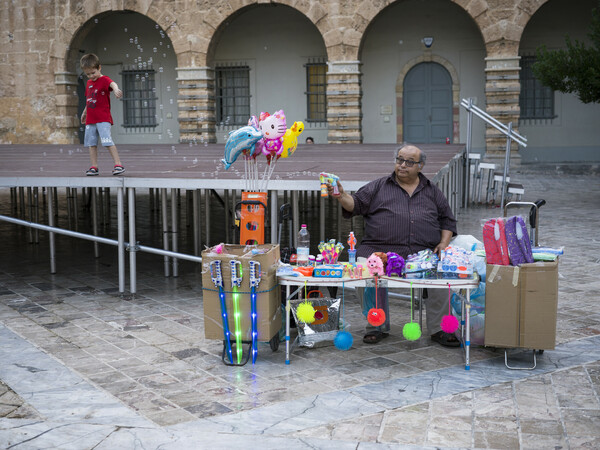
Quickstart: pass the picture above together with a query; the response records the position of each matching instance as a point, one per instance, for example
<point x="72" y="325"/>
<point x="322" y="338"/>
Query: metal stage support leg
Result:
<point x="132" y="242"/>
<point x="100" y="203"/>
<point x="13" y="200"/>
<point x="107" y="205"/>
<point x="165" y="227"/>
<point x="95" y="222"/>
<point x="227" y="215"/>
<point x="36" y="214"/>
<point x="121" y="239"/>
<point x="30" y="207"/>
<point x="50" y="234"/>
<point x="22" y="202"/>
<point x="174" y="226"/>
<point x="55" y="202"/>
<point x="322" y="219"/>
<point x="207" y="214"/>
<point x="75" y="213"/>
<point x="69" y="210"/>
<point x="295" y="216"/>
<point x="274" y="211"/>
<point x="196" y="221"/>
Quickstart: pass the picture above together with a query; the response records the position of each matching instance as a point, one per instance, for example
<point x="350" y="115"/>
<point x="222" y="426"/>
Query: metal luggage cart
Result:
<point x="534" y="218"/>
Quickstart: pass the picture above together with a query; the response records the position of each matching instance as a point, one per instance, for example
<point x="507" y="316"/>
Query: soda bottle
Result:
<point x="303" y="247"/>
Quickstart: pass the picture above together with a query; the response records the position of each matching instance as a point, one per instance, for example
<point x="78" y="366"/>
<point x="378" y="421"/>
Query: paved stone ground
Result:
<point x="70" y="336"/>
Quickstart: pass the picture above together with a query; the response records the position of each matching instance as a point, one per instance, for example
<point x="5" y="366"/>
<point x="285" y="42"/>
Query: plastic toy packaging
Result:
<point x="456" y="260"/>
<point x="425" y="260"/>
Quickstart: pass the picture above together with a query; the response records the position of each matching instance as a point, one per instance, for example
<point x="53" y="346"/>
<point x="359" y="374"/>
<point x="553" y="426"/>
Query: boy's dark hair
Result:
<point x="89" y="61"/>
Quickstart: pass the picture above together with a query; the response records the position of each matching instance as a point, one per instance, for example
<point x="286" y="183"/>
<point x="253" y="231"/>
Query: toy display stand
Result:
<point x="252" y="218"/>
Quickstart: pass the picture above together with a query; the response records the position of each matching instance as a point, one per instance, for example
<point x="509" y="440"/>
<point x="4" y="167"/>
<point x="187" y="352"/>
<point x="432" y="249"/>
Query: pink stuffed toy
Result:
<point x="375" y="265"/>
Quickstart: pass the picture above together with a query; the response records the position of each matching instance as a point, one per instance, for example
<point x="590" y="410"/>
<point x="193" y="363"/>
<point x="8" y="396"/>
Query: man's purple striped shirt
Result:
<point x="397" y="222"/>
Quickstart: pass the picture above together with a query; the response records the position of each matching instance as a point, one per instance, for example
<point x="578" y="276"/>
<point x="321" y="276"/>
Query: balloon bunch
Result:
<point x="266" y="135"/>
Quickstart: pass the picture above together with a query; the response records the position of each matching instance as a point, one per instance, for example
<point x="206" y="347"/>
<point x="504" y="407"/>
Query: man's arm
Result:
<point x="115" y="87"/>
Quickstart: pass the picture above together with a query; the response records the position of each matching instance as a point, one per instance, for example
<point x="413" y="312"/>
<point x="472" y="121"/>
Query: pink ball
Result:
<point x="449" y="324"/>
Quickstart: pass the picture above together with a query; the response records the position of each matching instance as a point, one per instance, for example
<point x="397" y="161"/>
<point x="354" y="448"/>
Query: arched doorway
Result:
<point x="427" y="104"/>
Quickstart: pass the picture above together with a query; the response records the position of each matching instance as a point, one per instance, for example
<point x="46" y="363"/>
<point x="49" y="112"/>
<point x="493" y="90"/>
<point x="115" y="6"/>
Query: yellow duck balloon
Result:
<point x="290" y="139"/>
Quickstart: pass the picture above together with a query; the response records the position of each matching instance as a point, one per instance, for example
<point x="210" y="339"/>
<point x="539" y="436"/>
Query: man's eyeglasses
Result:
<point x="408" y="162"/>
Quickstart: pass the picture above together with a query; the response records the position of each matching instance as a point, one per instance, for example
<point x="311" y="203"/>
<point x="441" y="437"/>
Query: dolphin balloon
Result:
<point x="240" y="140"/>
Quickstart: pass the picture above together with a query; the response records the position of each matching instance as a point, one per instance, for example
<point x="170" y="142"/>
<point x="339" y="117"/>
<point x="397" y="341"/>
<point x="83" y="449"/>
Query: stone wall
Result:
<point x="37" y="101"/>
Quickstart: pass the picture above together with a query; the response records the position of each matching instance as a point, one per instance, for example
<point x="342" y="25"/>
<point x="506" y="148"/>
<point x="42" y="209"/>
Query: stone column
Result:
<point x="67" y="121"/>
<point x="502" y="89"/>
<point x="196" y="104"/>
<point x="344" y="102"/>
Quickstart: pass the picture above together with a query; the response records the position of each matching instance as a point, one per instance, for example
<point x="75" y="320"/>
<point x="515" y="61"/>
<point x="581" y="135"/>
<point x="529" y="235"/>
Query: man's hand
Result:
<point x="83" y="116"/>
<point x="330" y="190"/>
<point x="444" y="242"/>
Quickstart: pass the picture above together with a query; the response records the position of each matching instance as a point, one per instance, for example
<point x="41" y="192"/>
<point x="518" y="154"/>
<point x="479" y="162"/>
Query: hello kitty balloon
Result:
<point x="273" y="128"/>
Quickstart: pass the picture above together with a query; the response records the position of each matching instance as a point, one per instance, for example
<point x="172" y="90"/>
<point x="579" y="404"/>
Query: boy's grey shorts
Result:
<point x="93" y="130"/>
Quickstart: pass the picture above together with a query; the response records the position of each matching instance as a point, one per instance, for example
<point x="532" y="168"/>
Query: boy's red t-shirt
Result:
<point x="97" y="100"/>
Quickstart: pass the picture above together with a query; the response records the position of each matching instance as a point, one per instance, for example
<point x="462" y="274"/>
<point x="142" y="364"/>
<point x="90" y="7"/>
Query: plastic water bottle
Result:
<point x="303" y="248"/>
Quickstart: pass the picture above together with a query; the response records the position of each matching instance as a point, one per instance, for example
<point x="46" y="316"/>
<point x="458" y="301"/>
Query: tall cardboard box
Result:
<point x="268" y="299"/>
<point x="520" y="305"/>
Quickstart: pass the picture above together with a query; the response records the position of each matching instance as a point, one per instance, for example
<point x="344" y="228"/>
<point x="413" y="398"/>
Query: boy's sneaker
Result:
<point x="91" y="171"/>
<point x="118" y="170"/>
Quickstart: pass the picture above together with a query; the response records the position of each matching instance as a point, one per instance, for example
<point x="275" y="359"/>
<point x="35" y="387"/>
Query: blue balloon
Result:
<point x="244" y="138"/>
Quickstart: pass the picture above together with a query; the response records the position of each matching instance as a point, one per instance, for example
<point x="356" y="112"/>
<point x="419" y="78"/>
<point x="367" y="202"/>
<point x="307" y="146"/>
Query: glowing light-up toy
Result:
<point x="236" y="282"/>
<point x="217" y="278"/>
<point x="254" y="282"/>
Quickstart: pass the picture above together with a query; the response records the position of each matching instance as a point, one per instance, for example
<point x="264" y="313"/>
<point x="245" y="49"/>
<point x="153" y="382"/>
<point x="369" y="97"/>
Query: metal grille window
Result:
<point x="536" y="100"/>
<point x="316" y="92"/>
<point x="233" y="94"/>
<point x="139" y="99"/>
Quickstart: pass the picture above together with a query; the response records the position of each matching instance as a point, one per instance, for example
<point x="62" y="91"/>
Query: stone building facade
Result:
<point x="41" y="41"/>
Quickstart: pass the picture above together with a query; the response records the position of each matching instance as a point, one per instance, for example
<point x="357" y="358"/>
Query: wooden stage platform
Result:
<point x="199" y="166"/>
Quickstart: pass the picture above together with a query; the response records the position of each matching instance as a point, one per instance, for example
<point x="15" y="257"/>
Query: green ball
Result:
<point x="305" y="312"/>
<point x="411" y="331"/>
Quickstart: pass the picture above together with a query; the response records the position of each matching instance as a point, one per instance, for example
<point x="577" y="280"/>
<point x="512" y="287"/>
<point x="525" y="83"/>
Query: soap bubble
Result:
<point x="125" y="29"/>
<point x="95" y="20"/>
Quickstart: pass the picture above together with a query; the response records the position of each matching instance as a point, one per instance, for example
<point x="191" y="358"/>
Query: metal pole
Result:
<point x="30" y="205"/>
<point x="95" y="222"/>
<point x="69" y="208"/>
<point x="75" y="215"/>
<point x="51" y="235"/>
<point x="165" y="227"/>
<point x="295" y="217"/>
<point x="322" y="218"/>
<point x="274" y="211"/>
<point x="506" y="164"/>
<point x="207" y="214"/>
<point x="196" y="221"/>
<point x="36" y="213"/>
<point x="121" y="239"/>
<point x="227" y="215"/>
<point x="132" y="242"/>
<point x="174" y="226"/>
<point x="468" y="161"/>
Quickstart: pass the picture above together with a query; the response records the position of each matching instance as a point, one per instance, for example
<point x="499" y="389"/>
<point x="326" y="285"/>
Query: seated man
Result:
<point x="404" y="213"/>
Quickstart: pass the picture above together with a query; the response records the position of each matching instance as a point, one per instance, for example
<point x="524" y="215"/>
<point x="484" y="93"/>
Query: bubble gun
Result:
<point x="331" y="179"/>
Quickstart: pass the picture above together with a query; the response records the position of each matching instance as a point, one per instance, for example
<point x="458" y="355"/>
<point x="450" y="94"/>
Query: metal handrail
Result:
<point x="506" y="130"/>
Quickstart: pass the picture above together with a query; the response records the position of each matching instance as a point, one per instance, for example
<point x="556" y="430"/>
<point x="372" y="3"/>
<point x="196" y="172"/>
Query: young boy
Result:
<point x="96" y="115"/>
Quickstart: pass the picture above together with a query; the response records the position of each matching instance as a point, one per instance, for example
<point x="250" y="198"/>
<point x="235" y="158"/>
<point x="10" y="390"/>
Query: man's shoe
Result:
<point x="92" y="171"/>
<point x="118" y="170"/>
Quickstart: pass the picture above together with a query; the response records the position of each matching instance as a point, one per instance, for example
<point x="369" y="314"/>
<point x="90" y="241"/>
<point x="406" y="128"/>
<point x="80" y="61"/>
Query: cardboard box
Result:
<point x="268" y="300"/>
<point x="520" y="305"/>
